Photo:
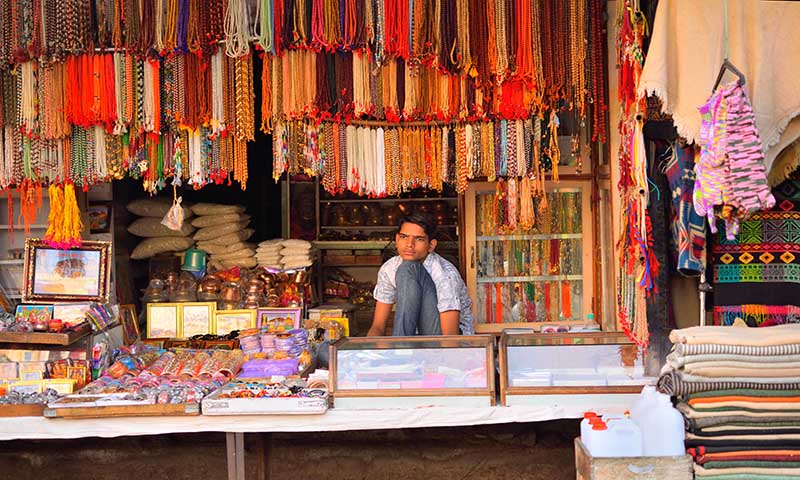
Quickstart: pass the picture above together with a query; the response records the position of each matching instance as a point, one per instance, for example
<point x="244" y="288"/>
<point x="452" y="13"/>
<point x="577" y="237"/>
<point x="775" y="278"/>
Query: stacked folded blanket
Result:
<point x="738" y="389"/>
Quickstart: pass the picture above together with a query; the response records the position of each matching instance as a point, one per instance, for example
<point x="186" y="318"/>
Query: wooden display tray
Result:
<point x="181" y="409"/>
<point x="32" y="410"/>
<point x="43" y="338"/>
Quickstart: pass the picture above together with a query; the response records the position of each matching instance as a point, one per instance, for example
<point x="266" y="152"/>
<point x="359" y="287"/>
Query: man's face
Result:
<point x="413" y="243"/>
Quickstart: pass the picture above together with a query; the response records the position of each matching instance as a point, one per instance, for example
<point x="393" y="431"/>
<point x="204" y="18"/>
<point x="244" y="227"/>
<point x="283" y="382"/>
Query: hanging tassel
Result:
<point x="55" y="218"/>
<point x="513" y="198"/>
<point x="526" y="215"/>
<point x="566" y="300"/>
<point x="555" y="152"/>
<point x="65" y="225"/>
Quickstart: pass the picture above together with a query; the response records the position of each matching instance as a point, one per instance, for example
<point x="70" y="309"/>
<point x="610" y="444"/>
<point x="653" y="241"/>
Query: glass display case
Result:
<point x="535" y="277"/>
<point x="407" y="372"/>
<point x="589" y="370"/>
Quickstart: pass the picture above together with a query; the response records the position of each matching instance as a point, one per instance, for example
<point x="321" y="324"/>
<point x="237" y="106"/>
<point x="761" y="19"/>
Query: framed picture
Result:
<point x="79" y="374"/>
<point x="77" y="274"/>
<point x="163" y="320"/>
<point x="197" y="319"/>
<point x="279" y="319"/>
<point x="71" y="313"/>
<point x="99" y="217"/>
<point x="34" y="313"/>
<point x="28" y="375"/>
<point x="229" y="320"/>
<point x="130" y="324"/>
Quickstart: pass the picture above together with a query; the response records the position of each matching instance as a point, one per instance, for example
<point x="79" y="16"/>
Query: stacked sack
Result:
<point x="222" y="233"/>
<point x="284" y="254"/>
<point x="158" y="238"/>
<point x="738" y="389"/>
<point x="268" y="253"/>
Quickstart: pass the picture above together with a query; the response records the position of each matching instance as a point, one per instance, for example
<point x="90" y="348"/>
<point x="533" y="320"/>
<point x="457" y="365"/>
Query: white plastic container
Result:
<point x="662" y="429"/>
<point x="586" y="425"/>
<point x="643" y="403"/>
<point x="619" y="437"/>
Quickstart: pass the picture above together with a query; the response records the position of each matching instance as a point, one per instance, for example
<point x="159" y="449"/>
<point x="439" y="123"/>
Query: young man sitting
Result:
<point x="429" y="296"/>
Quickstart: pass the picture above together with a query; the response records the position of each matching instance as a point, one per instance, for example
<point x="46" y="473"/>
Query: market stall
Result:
<point x="489" y="117"/>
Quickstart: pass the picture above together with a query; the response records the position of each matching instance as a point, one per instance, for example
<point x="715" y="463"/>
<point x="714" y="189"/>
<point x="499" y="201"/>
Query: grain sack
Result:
<point x="232" y="237"/>
<point x="247" y="252"/>
<point x="268" y="253"/>
<point x="217" y="231"/>
<point x="211" y="220"/>
<point x="294" y="251"/>
<point x="273" y="242"/>
<point x="215" y="209"/>
<point x="213" y="248"/>
<point x="152" y="246"/>
<point x="149" y="227"/>
<point x="154" y="207"/>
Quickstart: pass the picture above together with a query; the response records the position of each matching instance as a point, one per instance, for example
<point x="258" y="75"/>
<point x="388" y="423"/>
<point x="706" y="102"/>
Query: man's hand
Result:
<point x="382" y="312"/>
<point x="449" y="321"/>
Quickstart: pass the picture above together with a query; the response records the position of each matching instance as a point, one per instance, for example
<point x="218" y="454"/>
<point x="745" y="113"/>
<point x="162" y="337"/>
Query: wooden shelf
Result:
<point x="529" y="278"/>
<point x="22" y="410"/>
<point x="532" y="236"/>
<point x="12" y="261"/>
<point x="497" y="328"/>
<point x="181" y="409"/>
<point x="42" y="338"/>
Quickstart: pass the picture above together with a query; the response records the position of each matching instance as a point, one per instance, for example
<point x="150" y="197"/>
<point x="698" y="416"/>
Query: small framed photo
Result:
<point x="197" y="319"/>
<point x="77" y="274"/>
<point x="99" y="217"/>
<point x="78" y="373"/>
<point x="279" y="319"/>
<point x="71" y="313"/>
<point x="130" y="324"/>
<point x="34" y="313"/>
<point x="230" y="320"/>
<point x="29" y="375"/>
<point x="163" y="320"/>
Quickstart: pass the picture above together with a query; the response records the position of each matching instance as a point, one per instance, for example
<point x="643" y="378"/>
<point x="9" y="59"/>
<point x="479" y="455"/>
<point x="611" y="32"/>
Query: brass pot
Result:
<point x="230" y="293"/>
<point x="253" y="300"/>
<point x="299" y="277"/>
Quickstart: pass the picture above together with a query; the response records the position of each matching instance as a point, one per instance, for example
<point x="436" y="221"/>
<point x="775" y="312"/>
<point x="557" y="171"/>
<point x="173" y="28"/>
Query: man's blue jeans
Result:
<point x="415" y="311"/>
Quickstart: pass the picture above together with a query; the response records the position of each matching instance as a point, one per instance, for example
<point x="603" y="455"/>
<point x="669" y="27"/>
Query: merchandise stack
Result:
<point x="738" y="389"/>
<point x="158" y="238"/>
<point x="285" y="254"/>
<point x="222" y="233"/>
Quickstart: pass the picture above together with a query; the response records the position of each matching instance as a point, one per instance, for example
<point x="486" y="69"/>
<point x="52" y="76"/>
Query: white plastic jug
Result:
<point x="662" y="429"/>
<point x="618" y="438"/>
<point x="642" y="404"/>
<point x="589" y="418"/>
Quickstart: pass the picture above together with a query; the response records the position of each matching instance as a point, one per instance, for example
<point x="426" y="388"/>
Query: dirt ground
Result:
<point x="532" y="451"/>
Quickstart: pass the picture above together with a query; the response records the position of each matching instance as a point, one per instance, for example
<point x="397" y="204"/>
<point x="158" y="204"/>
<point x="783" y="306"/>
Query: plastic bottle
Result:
<point x="589" y="418"/>
<point x="662" y="429"/>
<point x="619" y="438"/>
<point x="643" y="403"/>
